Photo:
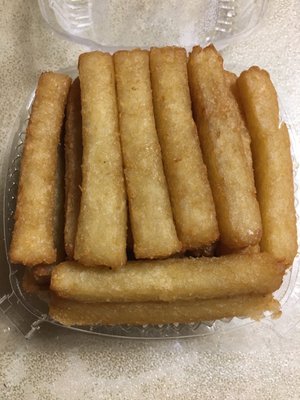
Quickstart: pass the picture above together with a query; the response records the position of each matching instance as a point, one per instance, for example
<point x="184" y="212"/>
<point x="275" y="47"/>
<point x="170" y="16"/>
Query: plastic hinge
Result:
<point x="26" y="322"/>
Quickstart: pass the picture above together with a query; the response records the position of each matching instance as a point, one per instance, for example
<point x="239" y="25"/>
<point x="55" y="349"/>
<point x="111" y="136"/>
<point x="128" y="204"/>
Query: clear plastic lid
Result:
<point x="120" y="24"/>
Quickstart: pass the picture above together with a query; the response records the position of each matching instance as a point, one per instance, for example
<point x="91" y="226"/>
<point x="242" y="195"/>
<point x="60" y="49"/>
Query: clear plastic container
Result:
<point x="116" y="24"/>
<point x="28" y="312"/>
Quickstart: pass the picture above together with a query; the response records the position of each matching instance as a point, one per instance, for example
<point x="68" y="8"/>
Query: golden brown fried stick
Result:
<point x="33" y="236"/>
<point x="190" y="193"/>
<point x="272" y="164"/>
<point x="101" y="231"/>
<point x="69" y="312"/>
<point x="152" y="224"/>
<point x="169" y="280"/>
<point x="219" y="126"/>
<point x="41" y="273"/>
<point x="73" y="160"/>
<point x="231" y="80"/>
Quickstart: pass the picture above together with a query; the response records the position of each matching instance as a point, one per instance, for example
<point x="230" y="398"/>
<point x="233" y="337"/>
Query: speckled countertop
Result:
<point x="55" y="364"/>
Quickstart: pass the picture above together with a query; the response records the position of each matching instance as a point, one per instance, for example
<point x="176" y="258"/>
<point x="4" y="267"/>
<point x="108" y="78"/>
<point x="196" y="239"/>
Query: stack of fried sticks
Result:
<point x="169" y="159"/>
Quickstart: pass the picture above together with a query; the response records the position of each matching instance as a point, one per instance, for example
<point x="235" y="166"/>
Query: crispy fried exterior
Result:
<point x="151" y="218"/>
<point x="272" y="164"/>
<point x="169" y="280"/>
<point x="231" y="80"/>
<point x="102" y="226"/>
<point x="219" y="127"/>
<point x="190" y="193"/>
<point x="69" y="312"/>
<point x="33" y="236"/>
<point x="73" y="160"/>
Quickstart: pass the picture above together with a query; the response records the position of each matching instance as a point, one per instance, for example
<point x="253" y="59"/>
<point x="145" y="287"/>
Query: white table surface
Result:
<point x="256" y="364"/>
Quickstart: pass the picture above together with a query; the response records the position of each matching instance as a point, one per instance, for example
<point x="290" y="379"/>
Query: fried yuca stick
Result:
<point x="73" y="159"/>
<point x="219" y="126"/>
<point x="152" y="224"/>
<point x="190" y="193"/>
<point x="169" y="280"/>
<point x="231" y="80"/>
<point x="69" y="312"/>
<point x="33" y="236"/>
<point x="41" y="272"/>
<point x="101" y="231"/>
<point x="272" y="164"/>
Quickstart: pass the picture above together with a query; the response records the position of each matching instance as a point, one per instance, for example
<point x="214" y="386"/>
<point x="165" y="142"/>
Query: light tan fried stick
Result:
<point x="219" y="126"/>
<point x="152" y="224"/>
<point x="190" y="193"/>
<point x="33" y="236"/>
<point x="231" y="80"/>
<point x="101" y="231"/>
<point x="69" y="312"/>
<point x="272" y="164"/>
<point x="41" y="272"/>
<point x="73" y="160"/>
<point x="169" y="280"/>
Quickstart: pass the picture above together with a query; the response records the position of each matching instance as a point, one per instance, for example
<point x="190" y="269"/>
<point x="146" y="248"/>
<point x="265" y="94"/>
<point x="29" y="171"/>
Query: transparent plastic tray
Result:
<point x="117" y="24"/>
<point x="28" y="312"/>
